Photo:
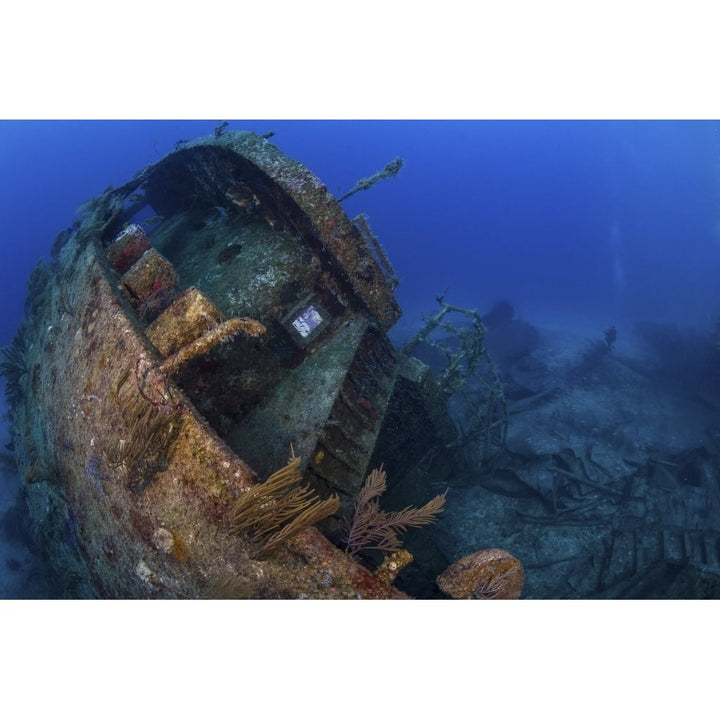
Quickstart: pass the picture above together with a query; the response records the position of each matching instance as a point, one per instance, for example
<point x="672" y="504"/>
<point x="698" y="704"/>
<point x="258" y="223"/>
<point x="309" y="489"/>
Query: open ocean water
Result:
<point x="578" y="226"/>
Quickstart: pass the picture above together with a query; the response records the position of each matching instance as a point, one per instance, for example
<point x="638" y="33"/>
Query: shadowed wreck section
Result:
<point x="215" y="322"/>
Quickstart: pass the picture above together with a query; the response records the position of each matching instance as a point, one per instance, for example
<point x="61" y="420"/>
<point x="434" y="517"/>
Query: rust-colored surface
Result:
<point x="187" y="318"/>
<point x="492" y="574"/>
<point x="150" y="274"/>
<point x="127" y="486"/>
<point x="129" y="246"/>
<point x="170" y="540"/>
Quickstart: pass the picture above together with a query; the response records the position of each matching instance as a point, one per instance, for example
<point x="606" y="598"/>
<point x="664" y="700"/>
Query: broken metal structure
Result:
<point x="195" y="327"/>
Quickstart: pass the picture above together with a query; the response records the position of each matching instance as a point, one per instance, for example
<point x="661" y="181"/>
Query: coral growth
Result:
<point x="361" y="223"/>
<point x="156" y="302"/>
<point x="390" y="170"/>
<point x="392" y="565"/>
<point x="375" y="529"/>
<point x="279" y="508"/>
<point x="492" y="574"/>
<point x="128" y="247"/>
<point x="13" y="366"/>
<point x="219" y="334"/>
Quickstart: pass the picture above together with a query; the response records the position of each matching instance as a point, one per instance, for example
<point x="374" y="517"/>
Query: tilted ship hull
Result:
<point x="169" y="363"/>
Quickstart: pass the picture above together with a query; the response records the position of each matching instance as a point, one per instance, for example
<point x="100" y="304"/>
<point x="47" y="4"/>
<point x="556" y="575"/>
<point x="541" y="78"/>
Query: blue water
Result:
<point x="577" y="224"/>
<point x="571" y="221"/>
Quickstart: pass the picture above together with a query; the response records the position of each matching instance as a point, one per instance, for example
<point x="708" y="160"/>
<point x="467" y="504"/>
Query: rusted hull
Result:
<point x="127" y="485"/>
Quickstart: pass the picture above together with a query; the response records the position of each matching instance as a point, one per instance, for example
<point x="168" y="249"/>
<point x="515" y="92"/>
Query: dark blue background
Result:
<point x="572" y="221"/>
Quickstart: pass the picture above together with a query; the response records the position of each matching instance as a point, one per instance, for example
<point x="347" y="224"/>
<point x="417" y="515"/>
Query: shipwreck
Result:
<point x="203" y="381"/>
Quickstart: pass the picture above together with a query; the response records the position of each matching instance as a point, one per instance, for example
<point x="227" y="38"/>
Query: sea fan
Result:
<point x="279" y="508"/>
<point x="13" y="365"/>
<point x="375" y="529"/>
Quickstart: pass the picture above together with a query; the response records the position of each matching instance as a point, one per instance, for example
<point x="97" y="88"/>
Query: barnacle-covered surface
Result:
<point x="259" y="235"/>
<point x="131" y="443"/>
<point x="248" y="177"/>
